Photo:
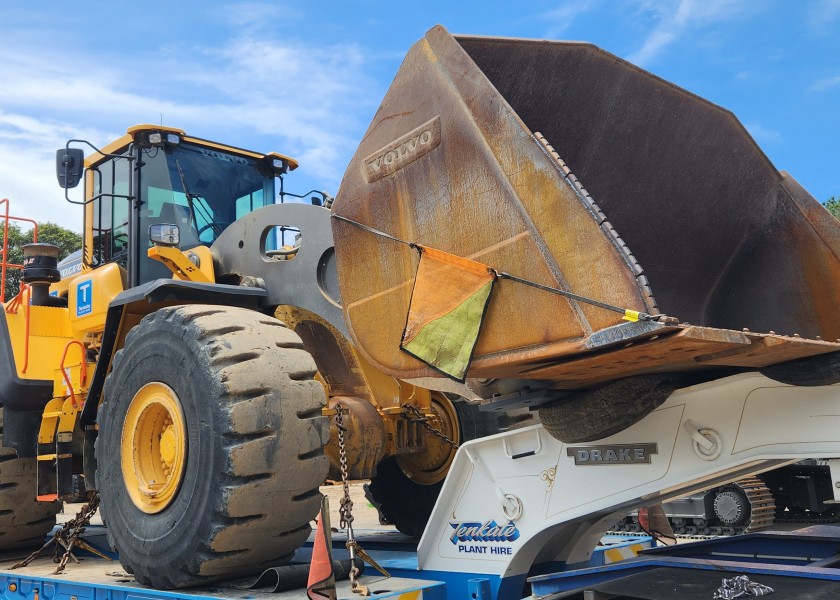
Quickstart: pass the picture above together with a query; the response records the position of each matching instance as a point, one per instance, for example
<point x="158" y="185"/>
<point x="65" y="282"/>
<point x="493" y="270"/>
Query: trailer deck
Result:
<point x="802" y="564"/>
<point x="97" y="579"/>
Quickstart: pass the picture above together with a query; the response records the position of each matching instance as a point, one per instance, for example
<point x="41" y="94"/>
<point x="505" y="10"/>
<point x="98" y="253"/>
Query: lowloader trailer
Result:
<point x="526" y="228"/>
<point x="523" y="511"/>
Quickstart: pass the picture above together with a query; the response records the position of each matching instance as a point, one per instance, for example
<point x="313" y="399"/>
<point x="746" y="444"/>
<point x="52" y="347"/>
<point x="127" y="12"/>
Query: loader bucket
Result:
<point x="567" y="166"/>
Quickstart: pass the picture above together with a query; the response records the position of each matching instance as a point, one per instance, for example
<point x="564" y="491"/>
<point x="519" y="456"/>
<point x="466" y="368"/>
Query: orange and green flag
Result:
<point x="447" y="308"/>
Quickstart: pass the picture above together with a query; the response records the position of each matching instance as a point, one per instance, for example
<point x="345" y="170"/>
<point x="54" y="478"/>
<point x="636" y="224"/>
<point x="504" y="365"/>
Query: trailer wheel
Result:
<point x="407" y="502"/>
<point x="823" y="369"/>
<point x="594" y="414"/>
<point x="24" y="522"/>
<point x="210" y="446"/>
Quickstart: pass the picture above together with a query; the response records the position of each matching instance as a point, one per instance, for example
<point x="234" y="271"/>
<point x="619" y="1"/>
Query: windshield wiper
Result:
<point x="191" y="198"/>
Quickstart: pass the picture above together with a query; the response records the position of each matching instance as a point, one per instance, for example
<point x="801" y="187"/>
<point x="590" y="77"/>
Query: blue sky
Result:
<point x="305" y="78"/>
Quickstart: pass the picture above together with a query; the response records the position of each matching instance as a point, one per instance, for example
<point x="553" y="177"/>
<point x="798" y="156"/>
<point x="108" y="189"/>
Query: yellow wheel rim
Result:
<point x="432" y="465"/>
<point x="153" y="447"/>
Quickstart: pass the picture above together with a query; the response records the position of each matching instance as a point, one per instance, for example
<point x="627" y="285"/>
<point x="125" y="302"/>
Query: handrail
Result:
<point x="4" y="253"/>
<point x="64" y="371"/>
<point x="12" y="308"/>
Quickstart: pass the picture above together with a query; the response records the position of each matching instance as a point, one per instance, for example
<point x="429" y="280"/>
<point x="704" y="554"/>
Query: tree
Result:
<point x="833" y="206"/>
<point x="66" y="240"/>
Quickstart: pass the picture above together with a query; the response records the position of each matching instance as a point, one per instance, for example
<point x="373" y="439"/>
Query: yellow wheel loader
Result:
<point x="526" y="227"/>
<point x="165" y="378"/>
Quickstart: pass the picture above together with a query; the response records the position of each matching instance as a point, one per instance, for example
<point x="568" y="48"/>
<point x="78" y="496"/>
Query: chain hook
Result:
<point x="68" y="538"/>
<point x="413" y="413"/>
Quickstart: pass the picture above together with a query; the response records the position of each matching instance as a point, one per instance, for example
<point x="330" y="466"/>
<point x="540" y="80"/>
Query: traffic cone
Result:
<point x="321" y="582"/>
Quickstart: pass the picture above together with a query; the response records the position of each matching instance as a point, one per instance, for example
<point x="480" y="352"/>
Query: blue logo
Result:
<point x="489" y="531"/>
<point x="84" y="298"/>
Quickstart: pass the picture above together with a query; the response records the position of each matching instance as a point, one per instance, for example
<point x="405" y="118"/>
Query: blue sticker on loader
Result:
<point x="84" y="298"/>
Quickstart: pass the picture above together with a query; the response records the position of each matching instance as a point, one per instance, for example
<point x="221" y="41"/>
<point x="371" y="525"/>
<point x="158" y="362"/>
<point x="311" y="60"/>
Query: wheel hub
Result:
<point x="432" y="465"/>
<point x="153" y="447"/>
<point x="728" y="507"/>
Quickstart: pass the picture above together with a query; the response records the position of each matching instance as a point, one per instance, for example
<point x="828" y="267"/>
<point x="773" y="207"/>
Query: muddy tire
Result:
<point x="407" y="504"/>
<point x="24" y="522"/>
<point x="823" y="369"/>
<point x="249" y="457"/>
<point x="594" y="414"/>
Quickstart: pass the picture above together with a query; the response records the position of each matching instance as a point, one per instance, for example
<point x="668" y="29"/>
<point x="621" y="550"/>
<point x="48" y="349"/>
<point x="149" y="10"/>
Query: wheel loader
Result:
<point x="191" y="366"/>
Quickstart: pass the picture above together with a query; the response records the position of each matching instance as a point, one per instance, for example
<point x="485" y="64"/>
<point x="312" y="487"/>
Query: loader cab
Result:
<point x="156" y="175"/>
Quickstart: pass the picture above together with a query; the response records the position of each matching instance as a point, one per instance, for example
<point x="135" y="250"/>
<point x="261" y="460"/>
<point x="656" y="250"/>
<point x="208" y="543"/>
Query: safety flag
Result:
<point x="321" y="582"/>
<point x="448" y="303"/>
<point x="654" y="522"/>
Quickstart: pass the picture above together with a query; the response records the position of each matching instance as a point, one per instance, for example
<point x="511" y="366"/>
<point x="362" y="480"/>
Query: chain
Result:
<point x="345" y="512"/>
<point x="346" y="509"/>
<point x="68" y="538"/>
<point x="412" y="413"/>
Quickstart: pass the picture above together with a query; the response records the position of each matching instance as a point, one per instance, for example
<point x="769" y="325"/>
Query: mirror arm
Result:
<point x="127" y="155"/>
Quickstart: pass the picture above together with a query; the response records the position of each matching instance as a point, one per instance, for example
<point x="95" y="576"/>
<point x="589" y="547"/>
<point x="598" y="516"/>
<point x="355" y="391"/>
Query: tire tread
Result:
<point x="266" y="492"/>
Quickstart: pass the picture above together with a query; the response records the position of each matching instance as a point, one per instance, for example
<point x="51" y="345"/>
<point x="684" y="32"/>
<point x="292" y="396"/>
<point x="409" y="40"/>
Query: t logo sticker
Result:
<point x="84" y="298"/>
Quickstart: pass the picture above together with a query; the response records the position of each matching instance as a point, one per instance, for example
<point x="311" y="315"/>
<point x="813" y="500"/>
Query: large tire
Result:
<point x="823" y="369"/>
<point x="24" y="522"/>
<point x="590" y="415"/>
<point x="253" y="445"/>
<point x="407" y="504"/>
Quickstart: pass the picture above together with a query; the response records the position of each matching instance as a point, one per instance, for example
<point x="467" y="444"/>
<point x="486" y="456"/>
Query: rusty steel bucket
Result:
<point x="562" y="164"/>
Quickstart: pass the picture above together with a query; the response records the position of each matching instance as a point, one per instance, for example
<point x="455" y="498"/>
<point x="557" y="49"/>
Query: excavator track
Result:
<point x="741" y="507"/>
<point x="762" y="505"/>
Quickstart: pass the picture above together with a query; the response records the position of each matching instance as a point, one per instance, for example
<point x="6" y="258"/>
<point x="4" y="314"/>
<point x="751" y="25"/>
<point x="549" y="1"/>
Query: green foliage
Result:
<point x="67" y="241"/>
<point x="833" y="206"/>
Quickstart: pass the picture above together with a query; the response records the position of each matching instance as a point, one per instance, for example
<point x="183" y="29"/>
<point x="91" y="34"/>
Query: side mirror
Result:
<point x="69" y="164"/>
<point x="164" y="234"/>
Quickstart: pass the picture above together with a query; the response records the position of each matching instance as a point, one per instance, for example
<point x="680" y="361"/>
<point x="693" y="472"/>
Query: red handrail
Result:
<point x="12" y="308"/>
<point x="64" y="372"/>
<point x="6" y="217"/>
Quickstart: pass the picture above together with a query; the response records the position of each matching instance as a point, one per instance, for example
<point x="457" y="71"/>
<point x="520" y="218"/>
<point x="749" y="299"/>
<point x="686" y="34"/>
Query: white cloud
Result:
<point x="826" y="84"/>
<point x="561" y="18"/>
<point x="823" y="13"/>
<point x="676" y="18"/>
<point x="762" y="134"/>
<point x="309" y="101"/>
<point x="27" y="172"/>
<point x="257" y="15"/>
<point x="655" y="42"/>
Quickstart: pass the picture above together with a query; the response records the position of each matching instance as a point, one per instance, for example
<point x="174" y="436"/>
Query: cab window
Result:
<point x="111" y="183"/>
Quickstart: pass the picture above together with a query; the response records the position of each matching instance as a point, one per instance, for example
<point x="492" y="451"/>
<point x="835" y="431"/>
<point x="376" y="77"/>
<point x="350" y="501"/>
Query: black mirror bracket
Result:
<point x="70" y="163"/>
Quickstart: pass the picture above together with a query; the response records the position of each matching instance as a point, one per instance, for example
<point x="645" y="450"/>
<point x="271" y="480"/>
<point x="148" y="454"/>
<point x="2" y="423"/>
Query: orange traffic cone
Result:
<point x="321" y="582"/>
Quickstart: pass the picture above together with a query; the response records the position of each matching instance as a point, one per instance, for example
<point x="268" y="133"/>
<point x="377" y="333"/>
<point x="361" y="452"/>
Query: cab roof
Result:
<point x="139" y="131"/>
